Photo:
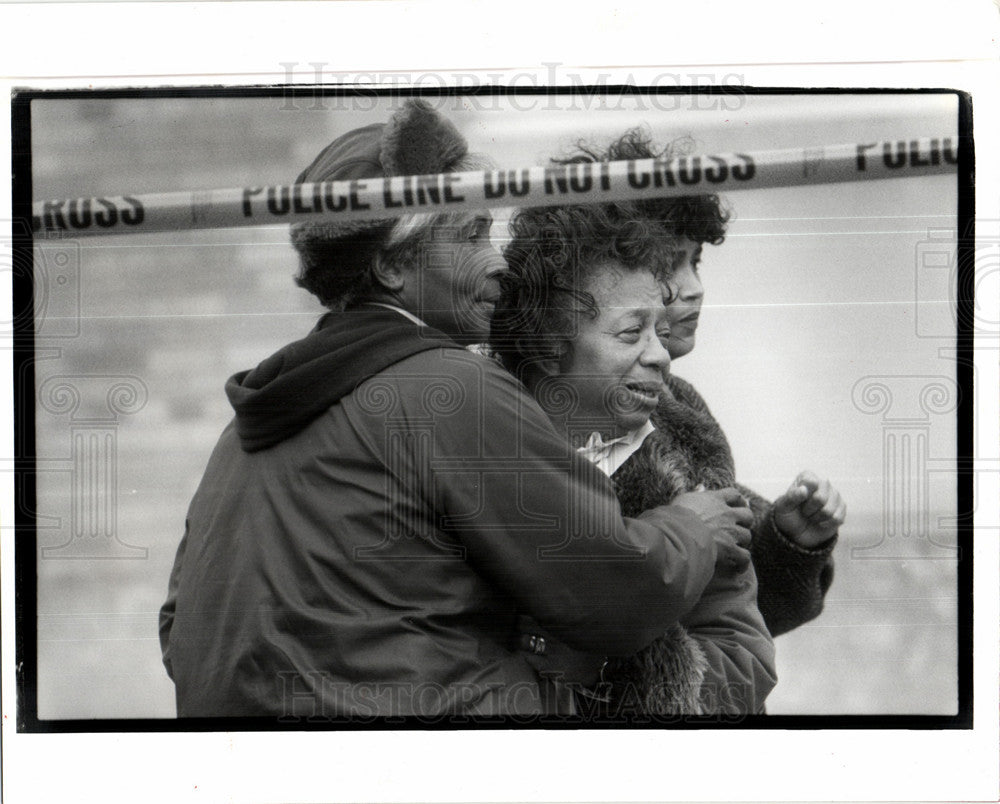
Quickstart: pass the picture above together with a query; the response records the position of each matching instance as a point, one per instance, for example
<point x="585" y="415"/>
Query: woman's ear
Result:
<point x="388" y="275"/>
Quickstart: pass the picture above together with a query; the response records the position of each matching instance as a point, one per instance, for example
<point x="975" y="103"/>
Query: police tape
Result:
<point x="582" y="183"/>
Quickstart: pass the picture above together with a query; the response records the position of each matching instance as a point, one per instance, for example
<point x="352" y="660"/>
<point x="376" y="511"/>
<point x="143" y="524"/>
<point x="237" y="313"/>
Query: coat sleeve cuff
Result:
<point x="821" y="550"/>
<point x="793" y="580"/>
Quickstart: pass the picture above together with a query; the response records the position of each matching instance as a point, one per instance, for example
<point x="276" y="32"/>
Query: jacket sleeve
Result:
<point x="169" y="607"/>
<point x="717" y="661"/>
<point x="793" y="580"/>
<point x="739" y="652"/>
<point x="542" y="523"/>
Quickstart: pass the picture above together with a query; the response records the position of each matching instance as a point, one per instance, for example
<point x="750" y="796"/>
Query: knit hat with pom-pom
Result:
<point x="415" y="141"/>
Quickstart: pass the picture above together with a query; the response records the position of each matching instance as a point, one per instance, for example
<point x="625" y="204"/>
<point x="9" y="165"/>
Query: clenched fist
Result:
<point x="810" y="512"/>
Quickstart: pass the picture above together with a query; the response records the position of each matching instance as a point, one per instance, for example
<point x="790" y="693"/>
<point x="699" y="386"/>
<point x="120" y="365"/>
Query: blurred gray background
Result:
<point x="824" y="344"/>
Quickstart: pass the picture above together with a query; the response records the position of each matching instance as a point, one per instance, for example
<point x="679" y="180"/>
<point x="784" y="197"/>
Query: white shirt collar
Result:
<point x="400" y="310"/>
<point x="609" y="455"/>
<point x="480" y="349"/>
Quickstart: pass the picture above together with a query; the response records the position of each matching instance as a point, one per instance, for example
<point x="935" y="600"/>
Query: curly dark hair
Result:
<point x="557" y="250"/>
<point x="701" y="218"/>
<point x="554" y="253"/>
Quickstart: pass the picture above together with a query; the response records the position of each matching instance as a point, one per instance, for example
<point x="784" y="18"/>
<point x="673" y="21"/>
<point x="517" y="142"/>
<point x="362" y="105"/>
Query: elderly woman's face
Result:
<point x="456" y="285"/>
<point x="618" y="363"/>
<point x="687" y="292"/>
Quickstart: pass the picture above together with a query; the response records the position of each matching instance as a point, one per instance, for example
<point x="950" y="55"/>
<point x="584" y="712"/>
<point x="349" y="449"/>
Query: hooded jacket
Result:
<point x="369" y="527"/>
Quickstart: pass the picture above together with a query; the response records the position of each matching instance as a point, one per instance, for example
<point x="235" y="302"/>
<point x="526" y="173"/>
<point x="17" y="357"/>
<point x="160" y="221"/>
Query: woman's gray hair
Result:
<point x="336" y="265"/>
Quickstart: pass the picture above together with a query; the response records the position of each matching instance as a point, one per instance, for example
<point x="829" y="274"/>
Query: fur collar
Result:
<point x="686" y="450"/>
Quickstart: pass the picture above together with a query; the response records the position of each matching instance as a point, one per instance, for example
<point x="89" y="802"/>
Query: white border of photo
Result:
<point x="849" y="44"/>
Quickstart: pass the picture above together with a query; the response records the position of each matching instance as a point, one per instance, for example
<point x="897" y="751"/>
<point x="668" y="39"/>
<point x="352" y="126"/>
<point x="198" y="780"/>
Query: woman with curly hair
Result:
<point x="793" y="537"/>
<point x="581" y="321"/>
<point x="679" y="448"/>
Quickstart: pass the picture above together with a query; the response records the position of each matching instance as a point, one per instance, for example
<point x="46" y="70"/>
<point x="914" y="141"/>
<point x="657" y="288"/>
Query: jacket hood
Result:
<point x="299" y="382"/>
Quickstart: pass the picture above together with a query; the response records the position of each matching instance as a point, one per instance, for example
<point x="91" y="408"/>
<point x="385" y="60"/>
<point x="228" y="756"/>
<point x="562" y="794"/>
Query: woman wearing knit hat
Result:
<point x="386" y="503"/>
<point x="347" y="264"/>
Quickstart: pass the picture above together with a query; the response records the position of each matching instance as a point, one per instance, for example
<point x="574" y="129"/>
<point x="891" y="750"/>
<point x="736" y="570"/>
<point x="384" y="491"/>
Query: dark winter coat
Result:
<point x="370" y="528"/>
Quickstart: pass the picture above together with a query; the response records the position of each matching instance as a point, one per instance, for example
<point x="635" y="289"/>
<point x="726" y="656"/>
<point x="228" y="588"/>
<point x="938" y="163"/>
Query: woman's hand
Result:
<point x="810" y="512"/>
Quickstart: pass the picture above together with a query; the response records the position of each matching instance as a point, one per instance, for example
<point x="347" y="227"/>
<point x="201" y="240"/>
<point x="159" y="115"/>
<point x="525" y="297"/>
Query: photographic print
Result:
<point x="643" y="408"/>
<point x="415" y="401"/>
